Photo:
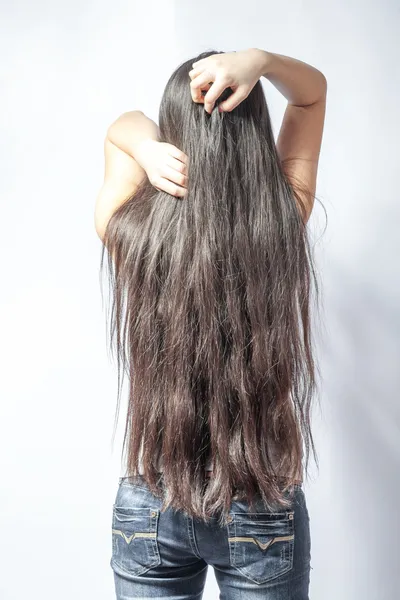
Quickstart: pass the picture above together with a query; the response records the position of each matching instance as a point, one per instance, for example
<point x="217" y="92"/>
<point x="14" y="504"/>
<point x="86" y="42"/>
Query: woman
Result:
<point x="204" y="219"/>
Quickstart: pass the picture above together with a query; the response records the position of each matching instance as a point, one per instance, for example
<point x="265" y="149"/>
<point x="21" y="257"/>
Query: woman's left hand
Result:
<point x="165" y="166"/>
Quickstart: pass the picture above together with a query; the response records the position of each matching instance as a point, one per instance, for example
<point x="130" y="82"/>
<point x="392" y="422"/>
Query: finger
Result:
<point x="174" y="176"/>
<point x="178" y="154"/>
<point x="202" y="81"/>
<point x="194" y="72"/>
<point x="233" y="101"/>
<point x="178" y="165"/>
<point x="167" y="186"/>
<point x="213" y="93"/>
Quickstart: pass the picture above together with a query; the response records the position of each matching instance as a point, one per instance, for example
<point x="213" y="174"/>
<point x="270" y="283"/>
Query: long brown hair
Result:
<point x="211" y="312"/>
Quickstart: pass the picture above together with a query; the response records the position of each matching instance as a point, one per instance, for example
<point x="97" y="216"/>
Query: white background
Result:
<point x="67" y="70"/>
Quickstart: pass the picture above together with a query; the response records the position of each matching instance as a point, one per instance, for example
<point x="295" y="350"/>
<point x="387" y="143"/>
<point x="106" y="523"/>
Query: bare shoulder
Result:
<point x="122" y="176"/>
<point x="298" y="145"/>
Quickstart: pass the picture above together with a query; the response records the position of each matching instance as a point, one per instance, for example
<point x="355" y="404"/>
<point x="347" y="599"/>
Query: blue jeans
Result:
<point x="166" y="554"/>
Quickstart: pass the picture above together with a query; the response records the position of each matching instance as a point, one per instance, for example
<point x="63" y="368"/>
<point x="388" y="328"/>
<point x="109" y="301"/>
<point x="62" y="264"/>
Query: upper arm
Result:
<point x="122" y="176"/>
<point x="298" y="145"/>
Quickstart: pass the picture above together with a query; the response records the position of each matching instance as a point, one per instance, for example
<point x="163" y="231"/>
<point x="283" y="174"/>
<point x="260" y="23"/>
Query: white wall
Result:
<point x="67" y="70"/>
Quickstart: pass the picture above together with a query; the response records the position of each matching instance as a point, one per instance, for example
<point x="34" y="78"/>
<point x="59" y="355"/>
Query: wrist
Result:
<point x="263" y="59"/>
<point x="131" y="132"/>
<point x="141" y="149"/>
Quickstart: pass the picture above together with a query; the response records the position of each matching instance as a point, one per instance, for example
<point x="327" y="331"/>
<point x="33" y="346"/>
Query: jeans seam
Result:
<point x="191" y="535"/>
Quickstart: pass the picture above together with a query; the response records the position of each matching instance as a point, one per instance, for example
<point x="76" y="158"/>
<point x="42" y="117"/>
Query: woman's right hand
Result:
<point x="238" y="70"/>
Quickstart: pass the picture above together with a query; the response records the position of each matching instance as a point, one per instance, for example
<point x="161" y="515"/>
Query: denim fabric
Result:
<point x="166" y="554"/>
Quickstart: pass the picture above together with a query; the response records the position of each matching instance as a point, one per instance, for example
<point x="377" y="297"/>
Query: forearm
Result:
<point x="299" y="82"/>
<point x="130" y="130"/>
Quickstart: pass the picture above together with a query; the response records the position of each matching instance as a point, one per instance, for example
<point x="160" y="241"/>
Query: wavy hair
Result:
<point x="211" y="298"/>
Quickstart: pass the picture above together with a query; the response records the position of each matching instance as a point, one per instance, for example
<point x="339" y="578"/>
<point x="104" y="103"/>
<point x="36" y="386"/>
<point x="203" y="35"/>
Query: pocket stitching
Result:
<point x="150" y="536"/>
<point x="234" y="545"/>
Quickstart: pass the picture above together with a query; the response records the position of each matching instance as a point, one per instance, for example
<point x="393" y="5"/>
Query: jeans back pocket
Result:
<point x="134" y="540"/>
<point x="261" y="544"/>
